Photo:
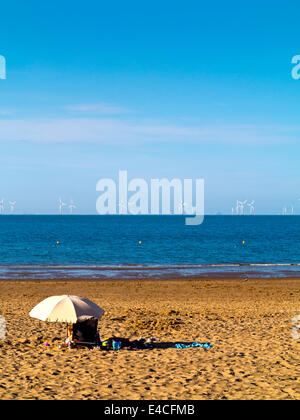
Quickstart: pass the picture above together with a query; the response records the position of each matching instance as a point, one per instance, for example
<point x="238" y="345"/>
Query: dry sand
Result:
<point x="249" y="324"/>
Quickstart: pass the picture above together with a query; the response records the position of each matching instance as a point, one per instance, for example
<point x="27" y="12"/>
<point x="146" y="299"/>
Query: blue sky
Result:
<point x="163" y="89"/>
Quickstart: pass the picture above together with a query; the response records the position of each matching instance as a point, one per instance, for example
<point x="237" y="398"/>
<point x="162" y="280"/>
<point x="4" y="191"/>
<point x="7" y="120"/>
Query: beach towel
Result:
<point x="195" y="344"/>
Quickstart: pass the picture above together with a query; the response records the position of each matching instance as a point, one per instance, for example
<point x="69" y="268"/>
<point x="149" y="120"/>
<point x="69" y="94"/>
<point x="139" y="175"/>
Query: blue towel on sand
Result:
<point x="195" y="344"/>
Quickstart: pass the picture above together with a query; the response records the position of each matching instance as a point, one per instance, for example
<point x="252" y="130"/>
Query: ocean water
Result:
<point x="109" y="246"/>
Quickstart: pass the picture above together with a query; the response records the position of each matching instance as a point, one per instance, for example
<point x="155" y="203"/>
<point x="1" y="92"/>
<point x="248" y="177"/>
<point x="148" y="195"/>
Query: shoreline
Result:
<point x="143" y="272"/>
<point x="201" y="279"/>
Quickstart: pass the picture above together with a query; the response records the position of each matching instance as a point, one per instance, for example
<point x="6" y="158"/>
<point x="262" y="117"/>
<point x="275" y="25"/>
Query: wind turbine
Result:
<point x="237" y="209"/>
<point x="1" y="206"/>
<point x="242" y="205"/>
<point x="292" y="210"/>
<point x="122" y="206"/>
<point x="251" y="205"/>
<point x="181" y="207"/>
<point x="12" y="206"/>
<point x="71" y="207"/>
<point x="61" y="204"/>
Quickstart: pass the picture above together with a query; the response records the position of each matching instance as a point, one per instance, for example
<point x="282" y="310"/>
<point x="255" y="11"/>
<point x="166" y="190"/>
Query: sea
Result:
<point x="143" y="247"/>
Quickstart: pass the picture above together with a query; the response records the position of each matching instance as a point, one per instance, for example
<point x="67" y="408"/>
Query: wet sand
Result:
<point x="249" y="324"/>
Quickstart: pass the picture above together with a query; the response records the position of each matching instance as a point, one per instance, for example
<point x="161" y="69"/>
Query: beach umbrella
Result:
<point x="65" y="309"/>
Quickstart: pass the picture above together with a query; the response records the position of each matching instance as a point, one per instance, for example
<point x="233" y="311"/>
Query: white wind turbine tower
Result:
<point x="181" y="207"/>
<point x="72" y="206"/>
<point x="1" y="206"/>
<point x="251" y="209"/>
<point x="242" y="205"/>
<point x="237" y="209"/>
<point x="61" y="204"/>
<point x="12" y="206"/>
<point x="292" y="210"/>
<point x="122" y="206"/>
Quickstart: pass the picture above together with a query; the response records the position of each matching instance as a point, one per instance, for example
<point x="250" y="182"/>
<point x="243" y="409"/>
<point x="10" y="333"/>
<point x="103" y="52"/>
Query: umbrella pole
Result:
<point x="68" y="338"/>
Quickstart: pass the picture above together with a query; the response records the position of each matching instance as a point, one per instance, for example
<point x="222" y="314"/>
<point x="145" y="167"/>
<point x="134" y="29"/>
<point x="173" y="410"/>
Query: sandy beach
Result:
<point x="248" y="323"/>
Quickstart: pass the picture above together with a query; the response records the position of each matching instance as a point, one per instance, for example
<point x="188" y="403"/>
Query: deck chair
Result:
<point x="83" y="333"/>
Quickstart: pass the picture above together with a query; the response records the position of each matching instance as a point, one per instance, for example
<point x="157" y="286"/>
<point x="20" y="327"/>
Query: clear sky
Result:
<point x="187" y="89"/>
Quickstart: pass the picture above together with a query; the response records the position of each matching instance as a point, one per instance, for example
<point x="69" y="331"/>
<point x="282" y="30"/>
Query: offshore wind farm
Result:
<point x="241" y="208"/>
